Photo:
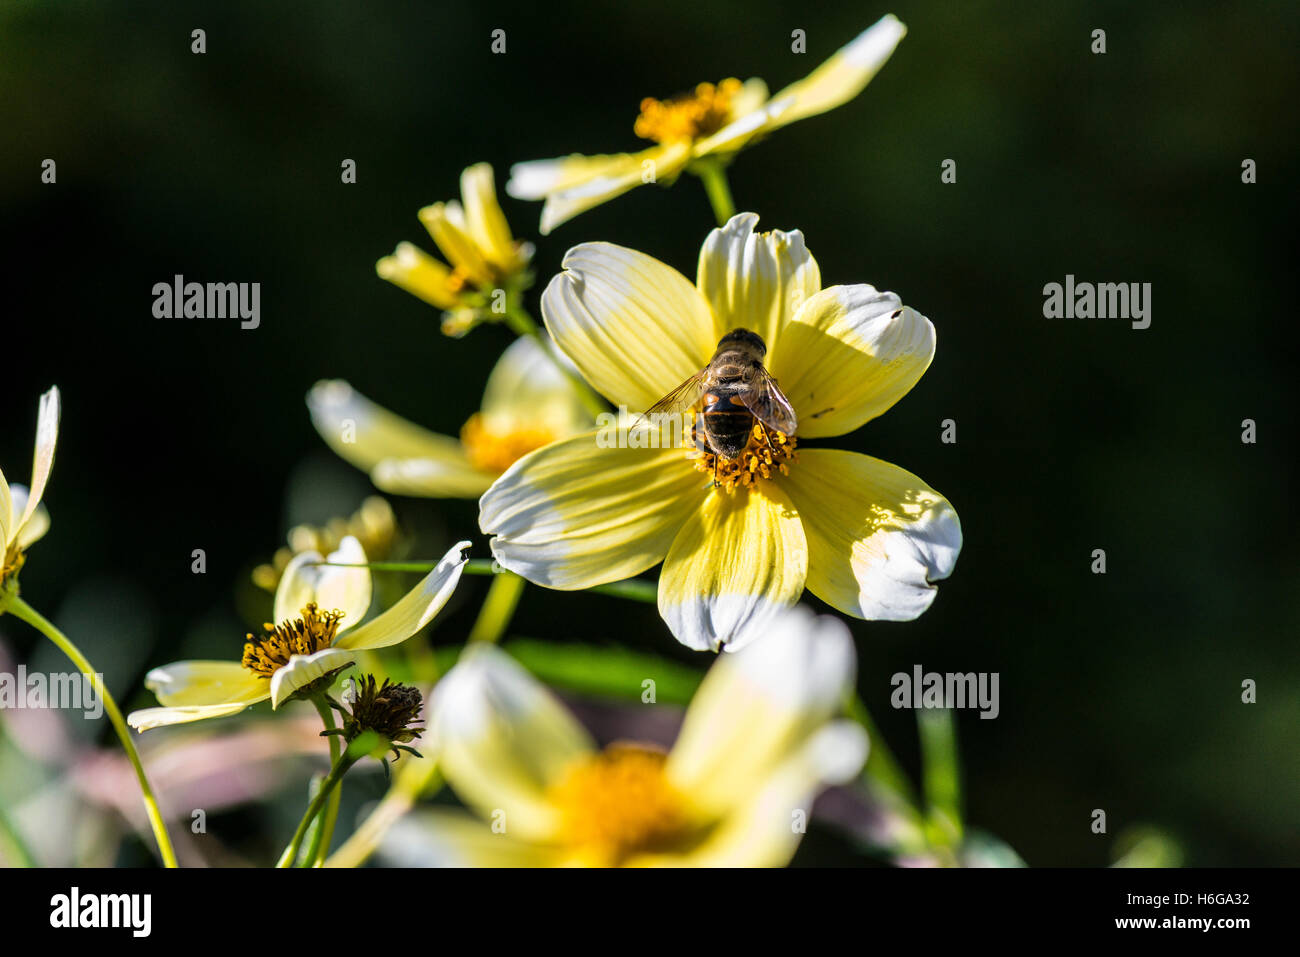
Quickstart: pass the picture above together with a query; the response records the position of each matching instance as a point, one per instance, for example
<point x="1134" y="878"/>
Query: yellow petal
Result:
<point x="7" y="513"/>
<point x="484" y="219"/>
<point x="756" y="707"/>
<point x="441" y="837"/>
<point x="878" y="537"/>
<point x="635" y="327"/>
<point x="302" y="670"/>
<point x="573" y="514"/>
<point x="25" y="535"/>
<point x="47" y="436"/>
<point x="404" y="458"/>
<point x="413" y="610"/>
<point x="755" y="281"/>
<point x="574" y="184"/>
<point x="306" y="580"/>
<point x="735" y="565"/>
<point x="765" y="828"/>
<point x="843" y="76"/>
<point x="527" y="392"/>
<point x="185" y="683"/>
<point x="147" y="718"/>
<point x="850" y="353"/>
<point x="414" y="270"/>
<point x="502" y="740"/>
<point x="447" y="225"/>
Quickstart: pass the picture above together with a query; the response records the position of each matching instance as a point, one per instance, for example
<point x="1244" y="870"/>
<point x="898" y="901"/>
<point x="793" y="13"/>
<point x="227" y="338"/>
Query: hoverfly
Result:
<point x="729" y="394"/>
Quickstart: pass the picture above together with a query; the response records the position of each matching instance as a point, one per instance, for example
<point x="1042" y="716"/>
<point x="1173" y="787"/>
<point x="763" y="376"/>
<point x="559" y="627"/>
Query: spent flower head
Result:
<point x="389" y="711"/>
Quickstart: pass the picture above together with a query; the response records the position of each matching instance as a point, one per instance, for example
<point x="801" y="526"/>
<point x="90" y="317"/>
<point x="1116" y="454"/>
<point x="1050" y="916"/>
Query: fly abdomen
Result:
<point x="726" y="425"/>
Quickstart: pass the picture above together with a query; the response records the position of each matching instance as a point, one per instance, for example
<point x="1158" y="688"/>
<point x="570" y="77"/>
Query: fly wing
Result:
<point x="769" y="405"/>
<point x="685" y="396"/>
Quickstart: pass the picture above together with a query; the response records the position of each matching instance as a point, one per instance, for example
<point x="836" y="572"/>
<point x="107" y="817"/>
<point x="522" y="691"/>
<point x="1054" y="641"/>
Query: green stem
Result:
<point x="940" y="776"/>
<point x="882" y="767"/>
<point x="320" y="843"/>
<point x="498" y="608"/>
<point x="522" y="324"/>
<point x="34" y="618"/>
<point x="328" y="788"/>
<point x="714" y="177"/>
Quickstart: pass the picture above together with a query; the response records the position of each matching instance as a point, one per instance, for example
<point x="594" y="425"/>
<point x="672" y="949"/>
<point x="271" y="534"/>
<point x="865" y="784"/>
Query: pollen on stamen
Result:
<point x="697" y="114"/>
<point x="767" y="455"/>
<point x="314" y="631"/>
<point x="494" y="450"/>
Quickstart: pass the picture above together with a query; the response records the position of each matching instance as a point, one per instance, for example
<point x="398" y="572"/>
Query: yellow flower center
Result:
<point x="766" y="455"/>
<point x="688" y="117"/>
<point x="494" y="451"/>
<point x="12" y="562"/>
<point x="619" y="803"/>
<point x="314" y="631"/>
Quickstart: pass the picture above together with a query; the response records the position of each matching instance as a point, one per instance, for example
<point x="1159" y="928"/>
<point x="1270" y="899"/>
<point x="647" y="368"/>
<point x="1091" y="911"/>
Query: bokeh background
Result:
<point x="1119" y="691"/>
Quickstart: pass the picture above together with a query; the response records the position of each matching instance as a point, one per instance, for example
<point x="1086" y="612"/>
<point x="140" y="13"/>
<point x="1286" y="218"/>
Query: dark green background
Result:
<point x="1119" y="691"/>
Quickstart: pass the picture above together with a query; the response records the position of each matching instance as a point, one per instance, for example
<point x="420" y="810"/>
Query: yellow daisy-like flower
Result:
<point x="23" y="519"/>
<point x="758" y="744"/>
<point x="316" y="633"/>
<point x="864" y="536"/>
<point x="715" y="120"/>
<point x="476" y="240"/>
<point x="529" y="402"/>
<point x="373" y="524"/>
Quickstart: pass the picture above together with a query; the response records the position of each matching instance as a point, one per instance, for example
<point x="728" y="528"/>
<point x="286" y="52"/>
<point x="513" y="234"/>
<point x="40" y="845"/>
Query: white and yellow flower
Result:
<point x="475" y="238"/>
<point x="760" y="741"/>
<point x="713" y="121"/>
<point x="864" y="536"/>
<point x="529" y="402"/>
<point x="316" y="633"/>
<point x="373" y="525"/>
<point x="23" y="519"/>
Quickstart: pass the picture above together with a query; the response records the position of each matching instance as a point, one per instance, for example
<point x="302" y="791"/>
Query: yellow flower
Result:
<point x="712" y="121"/>
<point x="476" y="241"/>
<point x="759" y="742"/>
<point x="528" y="403"/>
<point x="373" y="525"/>
<point x="23" y="519"/>
<point x="864" y="536"/>
<point x="317" y="631"/>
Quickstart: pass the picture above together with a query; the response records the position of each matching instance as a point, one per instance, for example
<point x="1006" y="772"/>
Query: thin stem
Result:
<point x="320" y="844"/>
<point x="417" y="776"/>
<point x="34" y="618"/>
<point x="940" y="777"/>
<point x="498" y="608"/>
<point x="522" y="324"/>
<point x="714" y="177"/>
<point x="327" y="791"/>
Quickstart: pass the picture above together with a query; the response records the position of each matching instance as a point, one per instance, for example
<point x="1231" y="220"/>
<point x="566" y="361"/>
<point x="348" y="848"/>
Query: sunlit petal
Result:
<point x="413" y="610"/>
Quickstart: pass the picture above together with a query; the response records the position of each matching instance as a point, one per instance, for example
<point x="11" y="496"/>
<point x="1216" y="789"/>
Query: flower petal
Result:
<point x="735" y="565"/>
<point x="404" y="458"/>
<point x="633" y="326"/>
<point x="755" y="281"/>
<point x="527" y="391"/>
<point x="147" y="718"/>
<point x="447" y="225"/>
<point x="26" y="535"/>
<point x="185" y="683"/>
<point x="47" y="436"/>
<point x="755" y="708"/>
<point x="414" y="270"/>
<point x="302" y="670"/>
<point x="484" y="219"/>
<point x="877" y="536"/>
<point x="413" y="610"/>
<point x="843" y="76"/>
<point x="764" y="831"/>
<point x="306" y="580"/>
<point x="7" y="513"/>
<point x="574" y="184"/>
<point x="850" y="353"/>
<point x="502" y="740"/>
<point x="573" y="514"/>
<point x="441" y="837"/>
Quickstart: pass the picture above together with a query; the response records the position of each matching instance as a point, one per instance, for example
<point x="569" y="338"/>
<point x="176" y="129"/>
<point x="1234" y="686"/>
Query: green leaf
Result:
<point x="606" y="671"/>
